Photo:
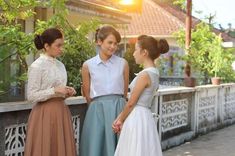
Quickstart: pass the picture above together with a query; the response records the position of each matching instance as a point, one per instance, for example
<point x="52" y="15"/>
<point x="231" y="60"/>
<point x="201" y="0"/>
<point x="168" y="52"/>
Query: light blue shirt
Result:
<point x="106" y="77"/>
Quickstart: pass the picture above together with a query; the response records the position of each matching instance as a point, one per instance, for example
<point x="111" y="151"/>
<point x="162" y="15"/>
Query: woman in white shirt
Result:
<point x="105" y="83"/>
<point x="50" y="131"/>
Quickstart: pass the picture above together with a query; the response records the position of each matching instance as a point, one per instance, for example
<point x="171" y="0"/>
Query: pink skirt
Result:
<point x="50" y="131"/>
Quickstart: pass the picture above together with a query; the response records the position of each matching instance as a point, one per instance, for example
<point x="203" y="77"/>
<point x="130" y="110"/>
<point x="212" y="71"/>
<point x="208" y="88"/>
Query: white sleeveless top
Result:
<point x="106" y="77"/>
<point x="147" y="95"/>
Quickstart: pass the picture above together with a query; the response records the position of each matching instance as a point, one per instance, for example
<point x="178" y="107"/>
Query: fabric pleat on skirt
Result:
<point x="50" y="131"/>
<point x="98" y="138"/>
<point x="139" y="135"/>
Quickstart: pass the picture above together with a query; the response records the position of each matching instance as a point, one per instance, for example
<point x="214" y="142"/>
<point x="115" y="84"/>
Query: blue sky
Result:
<point x="224" y="9"/>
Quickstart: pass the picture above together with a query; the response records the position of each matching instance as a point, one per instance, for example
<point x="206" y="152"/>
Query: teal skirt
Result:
<point x="98" y="138"/>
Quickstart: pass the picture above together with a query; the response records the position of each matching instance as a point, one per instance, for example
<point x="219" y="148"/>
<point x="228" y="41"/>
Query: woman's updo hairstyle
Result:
<point x="153" y="46"/>
<point x="48" y="36"/>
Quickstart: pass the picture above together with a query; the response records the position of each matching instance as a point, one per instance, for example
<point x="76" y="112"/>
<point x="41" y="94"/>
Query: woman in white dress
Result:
<point x="139" y="136"/>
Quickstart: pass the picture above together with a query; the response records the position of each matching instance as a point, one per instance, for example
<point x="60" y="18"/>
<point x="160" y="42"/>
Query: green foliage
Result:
<point x="77" y="47"/>
<point x="179" y="3"/>
<point x="11" y="10"/>
<point x="206" y="54"/>
<point x="18" y="43"/>
<point x="14" y="43"/>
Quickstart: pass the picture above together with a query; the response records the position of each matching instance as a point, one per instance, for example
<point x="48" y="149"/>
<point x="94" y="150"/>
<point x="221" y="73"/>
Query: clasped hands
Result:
<point x="65" y="90"/>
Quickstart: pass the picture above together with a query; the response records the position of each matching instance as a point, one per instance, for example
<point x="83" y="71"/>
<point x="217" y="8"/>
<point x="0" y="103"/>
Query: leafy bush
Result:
<point x="15" y="43"/>
<point x="206" y="54"/>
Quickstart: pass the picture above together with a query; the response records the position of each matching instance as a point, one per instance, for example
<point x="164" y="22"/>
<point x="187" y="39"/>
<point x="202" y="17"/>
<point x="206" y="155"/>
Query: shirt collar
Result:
<point x="47" y="57"/>
<point x="98" y="59"/>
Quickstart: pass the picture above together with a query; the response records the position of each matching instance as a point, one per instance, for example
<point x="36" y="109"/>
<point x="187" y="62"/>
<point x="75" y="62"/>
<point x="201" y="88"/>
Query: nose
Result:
<point x="61" y="49"/>
<point x="134" y="53"/>
<point x="113" y="46"/>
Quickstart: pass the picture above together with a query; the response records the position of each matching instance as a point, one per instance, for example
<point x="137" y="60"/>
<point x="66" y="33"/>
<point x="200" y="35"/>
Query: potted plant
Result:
<point x="207" y="57"/>
<point x="217" y="60"/>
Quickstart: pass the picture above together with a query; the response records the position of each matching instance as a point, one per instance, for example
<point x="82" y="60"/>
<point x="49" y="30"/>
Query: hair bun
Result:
<point x="163" y="46"/>
<point x="96" y="34"/>
<point x="38" y="42"/>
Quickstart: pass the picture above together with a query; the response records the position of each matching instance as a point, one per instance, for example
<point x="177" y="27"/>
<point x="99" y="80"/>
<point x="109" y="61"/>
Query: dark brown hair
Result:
<point x="153" y="46"/>
<point x="103" y="32"/>
<point x="96" y="35"/>
<point x="48" y="36"/>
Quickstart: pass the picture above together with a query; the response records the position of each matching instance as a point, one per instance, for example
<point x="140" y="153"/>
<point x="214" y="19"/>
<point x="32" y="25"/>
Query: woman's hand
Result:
<point x="117" y="126"/>
<point x="65" y="90"/>
<point x="61" y="90"/>
<point x="71" y="91"/>
<point x="88" y="99"/>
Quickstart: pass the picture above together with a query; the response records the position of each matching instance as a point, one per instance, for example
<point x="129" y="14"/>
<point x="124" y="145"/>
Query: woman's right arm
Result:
<point x="86" y="82"/>
<point x="142" y="82"/>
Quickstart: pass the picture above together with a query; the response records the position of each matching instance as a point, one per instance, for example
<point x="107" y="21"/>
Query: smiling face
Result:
<point x="108" y="45"/>
<point x="56" y="48"/>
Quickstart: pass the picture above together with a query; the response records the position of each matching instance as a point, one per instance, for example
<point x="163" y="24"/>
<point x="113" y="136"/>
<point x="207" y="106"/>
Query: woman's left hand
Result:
<point x="117" y="126"/>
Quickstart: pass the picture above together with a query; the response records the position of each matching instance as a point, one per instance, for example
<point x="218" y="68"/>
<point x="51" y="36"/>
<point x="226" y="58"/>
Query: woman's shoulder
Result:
<point x="119" y="59"/>
<point x="59" y="63"/>
<point x="151" y="71"/>
<point x="90" y="63"/>
<point x="37" y="64"/>
<point x="91" y="60"/>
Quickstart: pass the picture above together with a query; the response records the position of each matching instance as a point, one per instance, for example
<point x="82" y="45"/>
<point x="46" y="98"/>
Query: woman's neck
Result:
<point x="148" y="63"/>
<point x="49" y="55"/>
<point x="104" y="57"/>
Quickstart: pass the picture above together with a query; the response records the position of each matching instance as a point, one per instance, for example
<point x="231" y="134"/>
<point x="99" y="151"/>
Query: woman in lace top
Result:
<point x="50" y="131"/>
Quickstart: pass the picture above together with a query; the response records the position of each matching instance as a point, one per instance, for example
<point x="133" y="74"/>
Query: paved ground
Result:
<point x="217" y="143"/>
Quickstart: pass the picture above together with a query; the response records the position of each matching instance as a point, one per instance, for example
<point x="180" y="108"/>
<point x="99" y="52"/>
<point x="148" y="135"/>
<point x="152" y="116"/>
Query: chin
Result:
<point x="111" y="53"/>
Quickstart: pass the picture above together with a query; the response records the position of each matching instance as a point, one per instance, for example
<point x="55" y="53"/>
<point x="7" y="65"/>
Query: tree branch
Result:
<point x="8" y="56"/>
<point x="14" y="53"/>
<point x="5" y="92"/>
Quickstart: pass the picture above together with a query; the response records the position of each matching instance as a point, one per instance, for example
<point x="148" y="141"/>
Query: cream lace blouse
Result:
<point x="44" y="75"/>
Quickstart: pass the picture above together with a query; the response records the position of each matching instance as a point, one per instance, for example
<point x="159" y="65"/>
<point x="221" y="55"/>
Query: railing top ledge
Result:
<point x="25" y="105"/>
<point x="176" y="90"/>
<point x="228" y="85"/>
<point x="179" y="90"/>
<point x="209" y="86"/>
<point x="206" y="87"/>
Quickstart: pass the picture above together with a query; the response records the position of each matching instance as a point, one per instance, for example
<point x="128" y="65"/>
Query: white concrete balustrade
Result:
<point x="181" y="114"/>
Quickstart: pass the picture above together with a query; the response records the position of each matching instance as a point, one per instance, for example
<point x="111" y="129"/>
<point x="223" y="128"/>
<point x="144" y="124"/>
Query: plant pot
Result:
<point x="189" y="82"/>
<point x="215" y="80"/>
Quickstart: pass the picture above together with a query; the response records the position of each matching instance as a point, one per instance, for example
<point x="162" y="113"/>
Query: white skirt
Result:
<point x="139" y="136"/>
